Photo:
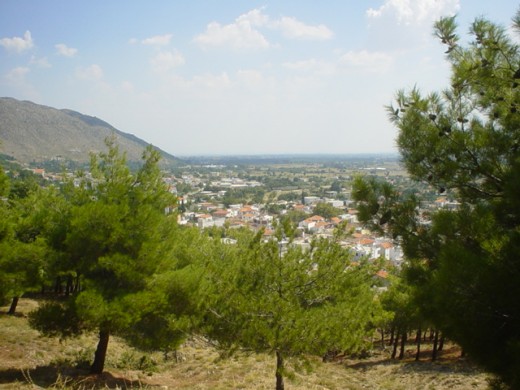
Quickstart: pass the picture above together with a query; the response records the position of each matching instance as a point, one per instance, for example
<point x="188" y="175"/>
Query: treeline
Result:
<point x="106" y="253"/>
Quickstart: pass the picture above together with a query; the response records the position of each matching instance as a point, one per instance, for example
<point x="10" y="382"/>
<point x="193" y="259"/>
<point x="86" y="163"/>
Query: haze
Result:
<point x="233" y="77"/>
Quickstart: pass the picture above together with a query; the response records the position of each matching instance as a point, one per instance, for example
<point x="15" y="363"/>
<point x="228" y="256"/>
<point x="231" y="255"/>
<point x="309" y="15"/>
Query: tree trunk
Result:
<point x="279" y="371"/>
<point x="396" y="343"/>
<point x="77" y="285"/>
<point x="441" y="343"/>
<point x="14" y="303"/>
<point x="69" y="285"/>
<point x="101" y="352"/>
<point x="435" y="345"/>
<point x="382" y="338"/>
<point x="418" y="341"/>
<point x="404" y="337"/>
<point x="57" y="286"/>
<point x="392" y="334"/>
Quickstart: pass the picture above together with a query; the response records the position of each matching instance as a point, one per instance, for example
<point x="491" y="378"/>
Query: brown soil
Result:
<point x="29" y="360"/>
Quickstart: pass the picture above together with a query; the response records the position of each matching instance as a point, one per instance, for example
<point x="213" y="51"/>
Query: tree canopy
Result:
<point x="277" y="298"/>
<point x="117" y="236"/>
<point x="463" y="141"/>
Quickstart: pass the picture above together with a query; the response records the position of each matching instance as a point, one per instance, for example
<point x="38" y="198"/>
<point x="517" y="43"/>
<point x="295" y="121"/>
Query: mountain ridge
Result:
<point x="31" y="132"/>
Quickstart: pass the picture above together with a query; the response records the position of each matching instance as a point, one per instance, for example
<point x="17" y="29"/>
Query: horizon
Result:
<point x="269" y="155"/>
<point x="199" y="78"/>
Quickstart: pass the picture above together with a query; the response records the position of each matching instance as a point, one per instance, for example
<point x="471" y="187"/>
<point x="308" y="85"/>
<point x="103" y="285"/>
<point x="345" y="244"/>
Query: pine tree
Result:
<point x="116" y="238"/>
<point x="464" y="264"/>
<point x="277" y="298"/>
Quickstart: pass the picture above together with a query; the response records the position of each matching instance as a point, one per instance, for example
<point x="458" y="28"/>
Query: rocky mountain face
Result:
<point x="31" y="132"/>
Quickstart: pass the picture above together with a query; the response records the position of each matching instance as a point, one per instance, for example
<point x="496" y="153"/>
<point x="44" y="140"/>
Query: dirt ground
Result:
<point x="29" y="360"/>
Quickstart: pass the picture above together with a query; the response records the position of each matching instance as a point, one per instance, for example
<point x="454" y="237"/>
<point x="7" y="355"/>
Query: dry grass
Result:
<point x="28" y="360"/>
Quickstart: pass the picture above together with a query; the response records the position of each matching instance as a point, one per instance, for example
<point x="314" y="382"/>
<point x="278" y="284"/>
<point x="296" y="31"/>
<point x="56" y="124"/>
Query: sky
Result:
<point x="208" y="77"/>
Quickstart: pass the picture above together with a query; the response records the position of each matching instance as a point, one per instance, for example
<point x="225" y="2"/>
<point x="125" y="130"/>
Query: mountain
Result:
<point x="31" y="132"/>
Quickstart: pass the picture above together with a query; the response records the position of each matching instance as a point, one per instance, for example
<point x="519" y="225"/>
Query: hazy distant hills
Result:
<point x="31" y="132"/>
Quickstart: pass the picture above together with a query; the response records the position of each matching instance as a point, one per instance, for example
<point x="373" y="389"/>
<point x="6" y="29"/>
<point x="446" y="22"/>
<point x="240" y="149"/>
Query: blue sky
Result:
<point x="232" y="77"/>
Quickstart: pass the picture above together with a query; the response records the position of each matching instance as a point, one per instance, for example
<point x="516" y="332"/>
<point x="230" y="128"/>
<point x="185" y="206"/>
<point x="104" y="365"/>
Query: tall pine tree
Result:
<point x="117" y="237"/>
<point x="280" y="299"/>
<point x="464" y="264"/>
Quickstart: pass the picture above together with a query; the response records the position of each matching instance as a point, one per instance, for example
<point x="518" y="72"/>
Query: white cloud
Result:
<point x="376" y="62"/>
<point x="166" y="60"/>
<point x="239" y="35"/>
<point x="212" y="81"/>
<point x="311" y="65"/>
<point x="18" y="44"/>
<point x="127" y="87"/>
<point x="414" y="11"/>
<point x="251" y="78"/>
<point x="91" y="73"/>
<point x="293" y="28"/>
<point x="158" y="40"/>
<point x="40" y="62"/>
<point x="17" y="81"/>
<point x="17" y="74"/>
<point x="255" y="17"/>
<point x="66" y="51"/>
<point x="244" y="32"/>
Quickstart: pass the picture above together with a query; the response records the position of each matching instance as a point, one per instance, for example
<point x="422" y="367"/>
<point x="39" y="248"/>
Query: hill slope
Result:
<point x="29" y="361"/>
<point x="32" y="132"/>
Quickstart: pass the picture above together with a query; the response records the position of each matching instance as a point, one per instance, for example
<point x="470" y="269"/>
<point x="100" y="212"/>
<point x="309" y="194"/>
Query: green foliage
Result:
<point x="136" y="361"/>
<point x="239" y="195"/>
<point x="296" y="216"/>
<point x="398" y="302"/>
<point x="170" y="308"/>
<point x="290" y="196"/>
<point x="266" y="298"/>
<point x="23" y="183"/>
<point x="464" y="270"/>
<point x="114" y="235"/>
<point x="22" y="266"/>
<point x="24" y="253"/>
<point x="4" y="184"/>
<point x="336" y="186"/>
<point x="326" y="210"/>
<point x="57" y="319"/>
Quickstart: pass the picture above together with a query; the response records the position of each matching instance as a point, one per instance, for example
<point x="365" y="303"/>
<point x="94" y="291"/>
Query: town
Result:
<point x="313" y="191"/>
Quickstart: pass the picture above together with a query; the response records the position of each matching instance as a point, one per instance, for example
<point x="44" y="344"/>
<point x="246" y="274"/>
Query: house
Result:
<point x="364" y="248"/>
<point x="207" y="206"/>
<point x="220" y="213"/>
<point x="310" y="200"/>
<point x="310" y="222"/>
<point x="205" y="221"/>
<point x="387" y="250"/>
<point x="236" y="223"/>
<point x="352" y="216"/>
<point x="244" y="210"/>
<point x="336" y="203"/>
<point x="381" y="277"/>
<point x="247" y="217"/>
<point x="39" y="172"/>
<point x="264" y="219"/>
<point x="335" y="221"/>
<point x="321" y="227"/>
<point x="302" y="207"/>
<point x="268" y="235"/>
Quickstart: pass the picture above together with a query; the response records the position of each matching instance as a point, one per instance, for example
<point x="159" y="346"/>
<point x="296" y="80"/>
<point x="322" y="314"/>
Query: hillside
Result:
<point x="31" y="132"/>
<point x="29" y="360"/>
